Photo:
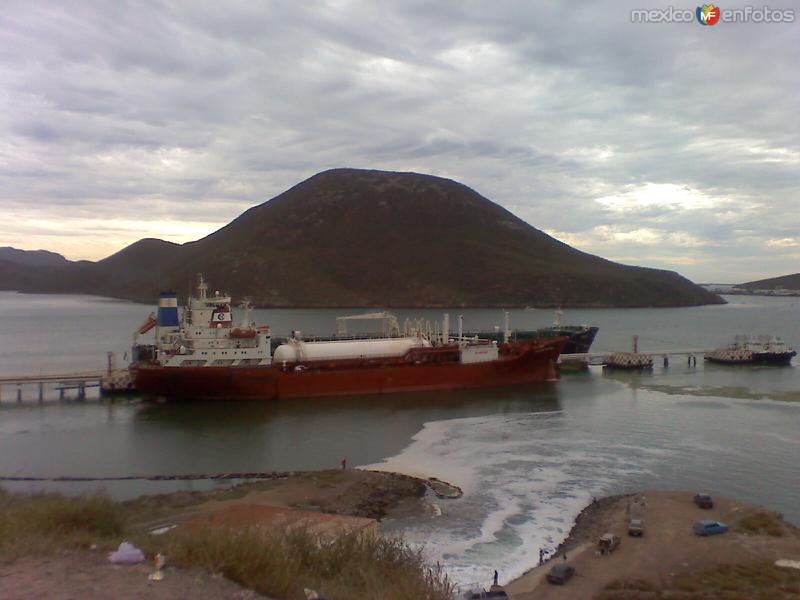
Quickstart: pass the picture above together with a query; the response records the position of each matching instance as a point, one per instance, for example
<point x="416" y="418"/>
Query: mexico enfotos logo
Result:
<point x="710" y="14"/>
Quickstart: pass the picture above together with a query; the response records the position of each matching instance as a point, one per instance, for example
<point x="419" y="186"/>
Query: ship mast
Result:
<point x="202" y="287"/>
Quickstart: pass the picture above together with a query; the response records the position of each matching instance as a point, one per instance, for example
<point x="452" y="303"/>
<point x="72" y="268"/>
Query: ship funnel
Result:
<point x="168" y="309"/>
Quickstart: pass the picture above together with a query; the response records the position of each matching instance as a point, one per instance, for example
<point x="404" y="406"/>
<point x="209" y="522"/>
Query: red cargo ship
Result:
<point x="204" y="357"/>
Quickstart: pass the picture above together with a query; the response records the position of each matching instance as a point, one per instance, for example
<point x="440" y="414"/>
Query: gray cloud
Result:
<point x="170" y="119"/>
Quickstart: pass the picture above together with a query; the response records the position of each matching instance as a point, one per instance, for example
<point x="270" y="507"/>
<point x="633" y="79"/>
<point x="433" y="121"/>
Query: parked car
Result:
<point x="636" y="528"/>
<point x="607" y="543"/>
<point x="560" y="574"/>
<point x="480" y="594"/>
<point x="709" y="527"/>
<point x="704" y="501"/>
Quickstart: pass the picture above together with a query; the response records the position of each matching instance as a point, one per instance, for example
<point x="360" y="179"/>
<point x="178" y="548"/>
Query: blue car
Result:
<point x="709" y="527"/>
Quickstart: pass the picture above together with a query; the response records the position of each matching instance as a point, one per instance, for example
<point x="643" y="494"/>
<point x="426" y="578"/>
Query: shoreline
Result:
<point x="352" y="492"/>
<point x="669" y="556"/>
<point x="511" y="305"/>
<point x="665" y="558"/>
<point x="258" y="539"/>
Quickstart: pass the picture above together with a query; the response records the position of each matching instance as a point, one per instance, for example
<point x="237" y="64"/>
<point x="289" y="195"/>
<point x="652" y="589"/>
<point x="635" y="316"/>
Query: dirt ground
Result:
<point x="353" y="492"/>
<point x="88" y="575"/>
<point x="668" y="548"/>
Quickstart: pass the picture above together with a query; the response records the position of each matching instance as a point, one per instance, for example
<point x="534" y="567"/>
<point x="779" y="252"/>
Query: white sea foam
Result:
<point x="523" y="483"/>
<point x="526" y="476"/>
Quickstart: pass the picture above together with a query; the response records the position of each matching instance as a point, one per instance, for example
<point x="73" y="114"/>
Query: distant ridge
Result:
<point x="786" y="282"/>
<point x="350" y="237"/>
<point x="31" y="258"/>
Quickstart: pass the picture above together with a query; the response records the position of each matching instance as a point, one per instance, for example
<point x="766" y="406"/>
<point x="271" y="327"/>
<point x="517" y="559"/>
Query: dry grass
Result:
<point x="762" y="523"/>
<point x="754" y="581"/>
<point x="44" y="523"/>
<point x="281" y="565"/>
<point x="751" y="581"/>
<point x="639" y="585"/>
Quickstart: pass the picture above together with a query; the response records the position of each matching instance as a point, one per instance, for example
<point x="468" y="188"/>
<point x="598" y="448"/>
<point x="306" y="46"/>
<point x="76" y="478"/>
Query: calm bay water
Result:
<point x="528" y="458"/>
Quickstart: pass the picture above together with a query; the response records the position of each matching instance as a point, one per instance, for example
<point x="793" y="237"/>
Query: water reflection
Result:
<point x="138" y="438"/>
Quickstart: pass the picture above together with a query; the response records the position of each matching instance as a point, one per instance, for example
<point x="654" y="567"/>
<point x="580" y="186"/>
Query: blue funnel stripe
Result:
<point x="168" y="310"/>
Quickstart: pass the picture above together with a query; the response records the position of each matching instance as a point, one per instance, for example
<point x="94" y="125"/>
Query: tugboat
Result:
<point x="203" y="355"/>
<point x="768" y="350"/>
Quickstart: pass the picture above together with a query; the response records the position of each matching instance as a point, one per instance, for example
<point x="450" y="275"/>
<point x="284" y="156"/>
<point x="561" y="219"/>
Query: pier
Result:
<point x="113" y="381"/>
<point x="664" y="356"/>
<point x="68" y="385"/>
<point x="630" y="360"/>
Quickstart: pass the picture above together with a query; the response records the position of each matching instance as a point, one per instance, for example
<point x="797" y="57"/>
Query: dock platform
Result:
<point x="67" y="386"/>
<point x="605" y="358"/>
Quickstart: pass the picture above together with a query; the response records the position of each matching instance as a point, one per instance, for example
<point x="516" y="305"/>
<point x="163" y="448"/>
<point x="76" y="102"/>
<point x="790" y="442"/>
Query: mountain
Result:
<point x="31" y="258"/>
<point x="786" y="282"/>
<point x="349" y="237"/>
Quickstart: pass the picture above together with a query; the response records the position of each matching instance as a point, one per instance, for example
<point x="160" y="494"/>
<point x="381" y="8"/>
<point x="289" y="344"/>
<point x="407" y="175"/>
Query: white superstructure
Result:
<point x="206" y="335"/>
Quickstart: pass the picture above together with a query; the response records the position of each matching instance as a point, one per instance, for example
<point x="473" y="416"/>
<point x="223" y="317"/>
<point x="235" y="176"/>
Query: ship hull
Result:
<point x="521" y="362"/>
<point x="580" y="337"/>
<point x="759" y="358"/>
<point x="774" y="358"/>
<point x="580" y="341"/>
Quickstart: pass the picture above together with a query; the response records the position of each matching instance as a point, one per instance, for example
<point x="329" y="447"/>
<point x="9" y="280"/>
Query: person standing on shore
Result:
<point x="495" y="577"/>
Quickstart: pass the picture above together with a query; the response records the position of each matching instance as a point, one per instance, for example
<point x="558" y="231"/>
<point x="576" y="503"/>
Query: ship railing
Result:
<point x="373" y="360"/>
<point x="277" y="339"/>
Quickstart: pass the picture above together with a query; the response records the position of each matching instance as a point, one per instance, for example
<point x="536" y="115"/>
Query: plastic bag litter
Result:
<point x="126" y="554"/>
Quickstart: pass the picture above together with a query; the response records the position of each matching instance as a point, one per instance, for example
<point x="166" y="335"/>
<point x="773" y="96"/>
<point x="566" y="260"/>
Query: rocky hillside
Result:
<point x="31" y="258"/>
<point x="350" y="237"/>
<point x="786" y="282"/>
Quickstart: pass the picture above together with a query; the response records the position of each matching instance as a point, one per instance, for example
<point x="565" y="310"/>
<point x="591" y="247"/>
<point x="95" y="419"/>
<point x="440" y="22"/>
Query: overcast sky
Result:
<point x="665" y="145"/>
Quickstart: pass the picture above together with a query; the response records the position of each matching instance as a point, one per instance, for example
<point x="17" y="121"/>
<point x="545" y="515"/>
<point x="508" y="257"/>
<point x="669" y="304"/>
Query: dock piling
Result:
<point x="61" y="382"/>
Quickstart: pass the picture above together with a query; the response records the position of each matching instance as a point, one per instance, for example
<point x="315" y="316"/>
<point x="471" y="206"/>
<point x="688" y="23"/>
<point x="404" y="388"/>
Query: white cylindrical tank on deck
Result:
<point x="302" y="351"/>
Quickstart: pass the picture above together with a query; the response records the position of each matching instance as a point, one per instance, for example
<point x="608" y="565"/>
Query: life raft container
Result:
<point x="243" y="333"/>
